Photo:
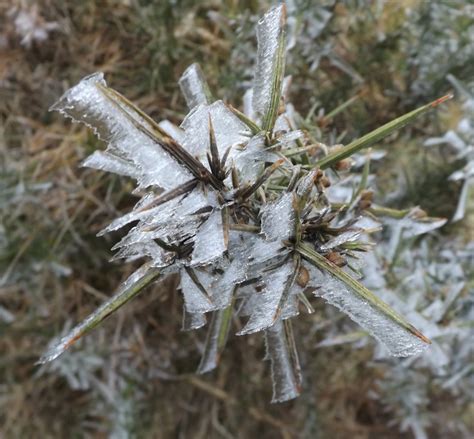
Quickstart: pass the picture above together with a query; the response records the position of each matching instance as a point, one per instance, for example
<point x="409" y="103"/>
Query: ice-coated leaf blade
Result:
<point x="374" y="136"/>
<point x="278" y="219"/>
<point x="229" y="130"/>
<point x="216" y="339"/>
<point x="129" y="289"/>
<point x="267" y="305"/>
<point x="194" y="87"/>
<point x="286" y="380"/>
<point x="210" y="242"/>
<point x="105" y="161"/>
<point x="353" y="298"/>
<point x="114" y="119"/>
<point x="270" y="67"/>
<point x="194" y="289"/>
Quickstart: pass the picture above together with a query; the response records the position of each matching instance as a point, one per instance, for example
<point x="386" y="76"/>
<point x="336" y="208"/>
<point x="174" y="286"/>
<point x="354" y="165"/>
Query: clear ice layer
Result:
<point x="269" y="33"/>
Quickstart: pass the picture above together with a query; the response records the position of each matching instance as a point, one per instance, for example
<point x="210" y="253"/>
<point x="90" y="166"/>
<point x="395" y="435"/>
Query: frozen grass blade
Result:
<point x="270" y="67"/>
<point x="378" y="134"/>
<point x="129" y="289"/>
<point x="153" y="131"/>
<point x="267" y="305"/>
<point x="194" y="87"/>
<point x="216" y="339"/>
<point x="360" y="290"/>
<point x="286" y="381"/>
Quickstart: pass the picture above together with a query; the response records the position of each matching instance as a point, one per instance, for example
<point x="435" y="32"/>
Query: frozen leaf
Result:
<point x="159" y="257"/>
<point x="270" y="67"/>
<point x="347" y="236"/>
<point x="229" y="130"/>
<point x="216" y="339"/>
<point x="209" y="243"/>
<point x="194" y="87"/>
<point x="288" y="140"/>
<point x="416" y="222"/>
<point x="114" y="121"/>
<point x="463" y="197"/>
<point x="278" y="219"/>
<point x="267" y="305"/>
<point x="362" y="306"/>
<point x="250" y="161"/>
<point x="194" y="284"/>
<point x="193" y="321"/>
<point x="285" y="373"/>
<point x="129" y="289"/>
<point x="175" y="132"/>
<point x="111" y="163"/>
<point x="167" y="216"/>
<point x="247" y="104"/>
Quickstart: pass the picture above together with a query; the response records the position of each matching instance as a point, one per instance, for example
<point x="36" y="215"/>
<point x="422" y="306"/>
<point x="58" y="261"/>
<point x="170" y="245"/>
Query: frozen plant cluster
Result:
<point x="238" y="204"/>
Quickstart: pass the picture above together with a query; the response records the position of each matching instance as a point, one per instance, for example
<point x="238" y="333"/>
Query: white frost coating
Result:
<point x="398" y="340"/>
<point x="265" y="305"/>
<point x="195" y="300"/>
<point x="105" y="161"/>
<point x="269" y="31"/>
<point x="87" y="103"/>
<point x="278" y="218"/>
<point x="209" y="243"/>
<point x="286" y="383"/>
<point x="194" y="87"/>
<point x="228" y="129"/>
<point x="192" y="321"/>
<point x="175" y="132"/>
<point x="347" y="236"/>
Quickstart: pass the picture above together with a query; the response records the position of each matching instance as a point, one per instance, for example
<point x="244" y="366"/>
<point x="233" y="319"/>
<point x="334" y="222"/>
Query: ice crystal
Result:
<point x="233" y="203"/>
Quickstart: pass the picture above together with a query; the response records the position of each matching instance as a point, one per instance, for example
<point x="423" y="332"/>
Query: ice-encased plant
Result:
<point x="236" y="203"/>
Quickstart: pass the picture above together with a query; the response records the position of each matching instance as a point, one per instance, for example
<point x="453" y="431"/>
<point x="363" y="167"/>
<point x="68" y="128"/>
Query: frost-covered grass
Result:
<point x="58" y="270"/>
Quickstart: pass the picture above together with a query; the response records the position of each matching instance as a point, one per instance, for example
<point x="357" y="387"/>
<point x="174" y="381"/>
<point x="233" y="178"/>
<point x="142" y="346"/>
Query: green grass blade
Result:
<point x="378" y="134"/>
<point x="130" y="288"/>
